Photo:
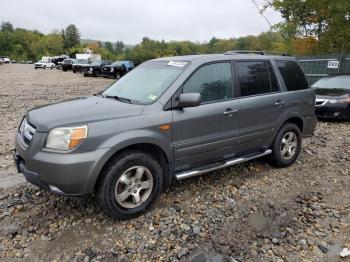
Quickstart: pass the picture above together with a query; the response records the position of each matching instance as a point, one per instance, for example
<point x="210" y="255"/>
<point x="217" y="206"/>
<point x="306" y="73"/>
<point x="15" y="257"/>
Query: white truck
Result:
<point x="89" y="57"/>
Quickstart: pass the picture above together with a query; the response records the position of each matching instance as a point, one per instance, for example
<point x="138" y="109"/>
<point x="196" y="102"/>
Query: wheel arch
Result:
<point x="149" y="148"/>
<point x="298" y="121"/>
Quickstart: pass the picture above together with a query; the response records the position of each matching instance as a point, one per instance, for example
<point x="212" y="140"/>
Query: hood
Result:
<point x="80" y="111"/>
<point x="332" y="92"/>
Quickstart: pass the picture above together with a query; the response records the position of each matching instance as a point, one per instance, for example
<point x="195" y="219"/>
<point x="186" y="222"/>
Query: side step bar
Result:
<point x="235" y="161"/>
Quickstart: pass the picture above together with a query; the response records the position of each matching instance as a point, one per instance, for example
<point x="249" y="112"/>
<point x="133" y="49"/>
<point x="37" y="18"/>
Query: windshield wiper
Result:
<point x="119" y="98"/>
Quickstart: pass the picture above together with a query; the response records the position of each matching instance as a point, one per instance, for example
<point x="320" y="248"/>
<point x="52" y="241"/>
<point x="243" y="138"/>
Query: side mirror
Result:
<point x="189" y="100"/>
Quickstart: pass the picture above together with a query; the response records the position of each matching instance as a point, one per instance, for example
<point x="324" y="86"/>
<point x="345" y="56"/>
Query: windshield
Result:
<point x="339" y="82"/>
<point x="145" y="83"/>
<point x="96" y="63"/>
<point x="118" y="63"/>
<point x="80" y="61"/>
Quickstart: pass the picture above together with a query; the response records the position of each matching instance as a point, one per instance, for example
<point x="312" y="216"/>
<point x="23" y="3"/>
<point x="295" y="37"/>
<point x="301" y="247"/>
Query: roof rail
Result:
<point x="236" y="52"/>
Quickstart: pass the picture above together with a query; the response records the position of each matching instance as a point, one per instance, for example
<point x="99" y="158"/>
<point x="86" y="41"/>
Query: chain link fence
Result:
<point x="316" y="67"/>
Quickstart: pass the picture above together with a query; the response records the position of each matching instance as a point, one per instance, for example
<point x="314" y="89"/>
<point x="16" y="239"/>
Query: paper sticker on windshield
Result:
<point x="152" y="97"/>
<point x="177" y="63"/>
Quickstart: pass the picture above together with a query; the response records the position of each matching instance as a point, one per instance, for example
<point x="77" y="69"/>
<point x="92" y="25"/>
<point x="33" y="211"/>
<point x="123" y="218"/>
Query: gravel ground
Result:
<point x="250" y="212"/>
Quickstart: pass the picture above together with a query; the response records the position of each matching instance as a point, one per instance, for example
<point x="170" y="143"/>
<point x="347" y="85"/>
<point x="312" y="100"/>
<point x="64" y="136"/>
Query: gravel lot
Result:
<point x="250" y="212"/>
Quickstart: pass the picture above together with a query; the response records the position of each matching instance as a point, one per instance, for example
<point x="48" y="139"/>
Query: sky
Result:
<point x="131" y="20"/>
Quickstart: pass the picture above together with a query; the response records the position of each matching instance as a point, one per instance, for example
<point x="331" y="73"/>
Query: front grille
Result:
<point x="27" y="131"/>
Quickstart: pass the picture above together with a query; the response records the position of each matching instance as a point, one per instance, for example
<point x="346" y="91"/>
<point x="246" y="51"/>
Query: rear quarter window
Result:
<point x="292" y="74"/>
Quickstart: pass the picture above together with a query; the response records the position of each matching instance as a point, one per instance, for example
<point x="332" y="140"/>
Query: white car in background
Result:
<point x="44" y="64"/>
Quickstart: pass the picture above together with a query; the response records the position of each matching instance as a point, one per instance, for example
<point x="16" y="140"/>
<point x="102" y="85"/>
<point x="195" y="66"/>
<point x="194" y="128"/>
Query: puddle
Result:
<point x="258" y="221"/>
<point x="204" y="254"/>
<point x="333" y="253"/>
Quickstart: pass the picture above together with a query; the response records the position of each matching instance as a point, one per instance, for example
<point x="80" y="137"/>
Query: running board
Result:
<point x="235" y="161"/>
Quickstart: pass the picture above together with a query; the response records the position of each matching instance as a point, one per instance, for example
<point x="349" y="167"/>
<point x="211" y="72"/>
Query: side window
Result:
<point x="273" y="79"/>
<point x="213" y="82"/>
<point x="253" y="78"/>
<point x="292" y="74"/>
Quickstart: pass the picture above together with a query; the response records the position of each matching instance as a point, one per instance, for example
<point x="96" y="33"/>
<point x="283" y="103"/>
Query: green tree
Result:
<point x="119" y="47"/>
<point x="71" y="36"/>
<point x="109" y="47"/>
<point x="6" y="27"/>
<point x="328" y="22"/>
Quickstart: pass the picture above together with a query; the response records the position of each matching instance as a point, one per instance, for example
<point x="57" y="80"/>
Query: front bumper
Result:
<point x="334" y="111"/>
<point x="88" y="72"/>
<point x="64" y="173"/>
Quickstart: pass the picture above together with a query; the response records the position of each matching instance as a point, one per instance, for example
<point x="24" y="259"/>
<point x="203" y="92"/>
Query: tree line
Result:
<point x="308" y="27"/>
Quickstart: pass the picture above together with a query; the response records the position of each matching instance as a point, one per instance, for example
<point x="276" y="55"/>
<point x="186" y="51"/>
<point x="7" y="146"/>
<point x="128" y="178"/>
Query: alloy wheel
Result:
<point x="289" y="145"/>
<point x="134" y="187"/>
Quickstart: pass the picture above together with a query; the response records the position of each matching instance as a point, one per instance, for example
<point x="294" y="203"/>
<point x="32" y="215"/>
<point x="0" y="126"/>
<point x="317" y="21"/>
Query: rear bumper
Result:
<point x="310" y="123"/>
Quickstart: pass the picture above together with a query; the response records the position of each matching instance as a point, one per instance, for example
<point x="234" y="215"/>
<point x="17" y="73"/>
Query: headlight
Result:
<point x="112" y="69"/>
<point x="66" y="138"/>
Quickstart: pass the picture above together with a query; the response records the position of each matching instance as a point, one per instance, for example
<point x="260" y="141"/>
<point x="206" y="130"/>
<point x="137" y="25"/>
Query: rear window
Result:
<point x="292" y="74"/>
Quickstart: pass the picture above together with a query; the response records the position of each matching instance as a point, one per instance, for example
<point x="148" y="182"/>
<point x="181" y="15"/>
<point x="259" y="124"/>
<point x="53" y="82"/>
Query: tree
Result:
<point x="6" y="27"/>
<point x="328" y="22"/>
<point x="109" y="47"/>
<point x="71" y="36"/>
<point x="119" y="47"/>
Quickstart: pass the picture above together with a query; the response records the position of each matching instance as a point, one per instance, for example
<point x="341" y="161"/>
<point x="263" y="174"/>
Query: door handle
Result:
<point x="279" y="103"/>
<point x="230" y="111"/>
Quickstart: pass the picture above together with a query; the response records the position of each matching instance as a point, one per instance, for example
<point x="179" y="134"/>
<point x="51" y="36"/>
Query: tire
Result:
<point x="74" y="71"/>
<point x="288" y="137"/>
<point x="85" y="75"/>
<point x="116" y="177"/>
<point x="44" y="67"/>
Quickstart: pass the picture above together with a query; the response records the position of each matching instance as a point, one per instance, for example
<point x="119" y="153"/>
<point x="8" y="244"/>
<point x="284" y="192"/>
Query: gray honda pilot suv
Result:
<point x="168" y="119"/>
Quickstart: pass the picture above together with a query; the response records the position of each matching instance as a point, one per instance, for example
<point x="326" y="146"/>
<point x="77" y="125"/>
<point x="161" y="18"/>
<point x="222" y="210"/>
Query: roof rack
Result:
<point x="252" y="52"/>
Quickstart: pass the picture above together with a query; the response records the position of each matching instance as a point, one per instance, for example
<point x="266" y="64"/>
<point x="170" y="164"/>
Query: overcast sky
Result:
<point x="130" y="20"/>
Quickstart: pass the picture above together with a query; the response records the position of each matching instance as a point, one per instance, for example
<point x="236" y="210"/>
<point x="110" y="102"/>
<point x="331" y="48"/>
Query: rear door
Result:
<point x="208" y="132"/>
<point x="262" y="103"/>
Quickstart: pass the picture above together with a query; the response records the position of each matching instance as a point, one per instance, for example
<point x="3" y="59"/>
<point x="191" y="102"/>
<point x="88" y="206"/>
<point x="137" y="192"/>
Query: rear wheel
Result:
<point x="287" y="145"/>
<point x="129" y="185"/>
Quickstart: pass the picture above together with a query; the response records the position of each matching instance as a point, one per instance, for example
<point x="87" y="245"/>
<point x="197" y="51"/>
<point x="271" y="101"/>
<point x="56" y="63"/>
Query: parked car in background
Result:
<point x="117" y="69"/>
<point x="95" y="68"/>
<point x="5" y="59"/>
<point x="333" y="97"/>
<point x="168" y="119"/>
<point x="44" y="64"/>
<point x="79" y="65"/>
<point x="29" y="62"/>
<point x="67" y="64"/>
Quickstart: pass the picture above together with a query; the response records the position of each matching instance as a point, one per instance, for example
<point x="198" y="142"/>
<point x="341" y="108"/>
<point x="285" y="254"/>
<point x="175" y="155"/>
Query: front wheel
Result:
<point x="129" y="185"/>
<point x="287" y="145"/>
<point x="117" y="76"/>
